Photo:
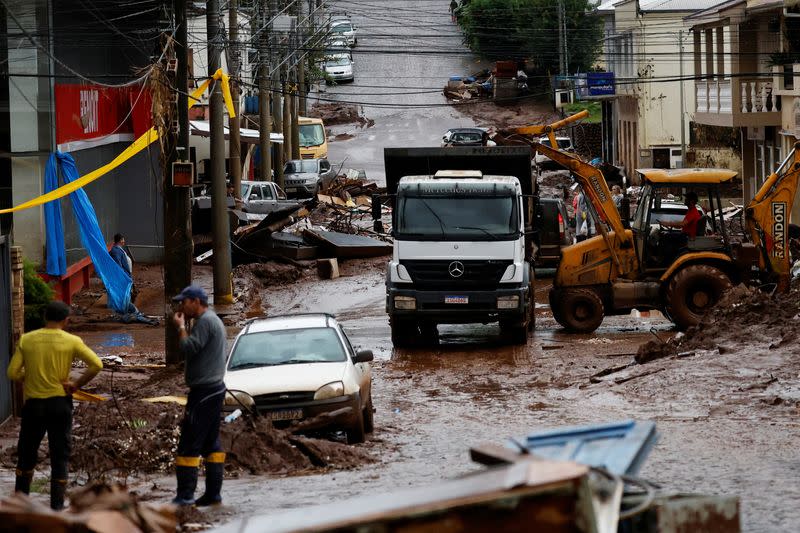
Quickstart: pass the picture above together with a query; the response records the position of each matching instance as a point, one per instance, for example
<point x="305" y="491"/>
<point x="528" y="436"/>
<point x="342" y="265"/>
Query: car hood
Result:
<point x="284" y="378"/>
<point x="301" y="176"/>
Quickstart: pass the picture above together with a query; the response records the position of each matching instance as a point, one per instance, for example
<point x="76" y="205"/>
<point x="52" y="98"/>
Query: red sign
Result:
<point x="85" y="112"/>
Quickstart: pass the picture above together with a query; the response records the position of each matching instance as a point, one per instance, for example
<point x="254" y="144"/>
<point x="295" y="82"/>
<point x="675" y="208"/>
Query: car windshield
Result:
<point x="342" y="28"/>
<point x="467" y="137"/>
<point x="287" y="346"/>
<point x="338" y="61"/>
<point x="311" y="135"/>
<point x="457" y="218"/>
<point x="298" y="166"/>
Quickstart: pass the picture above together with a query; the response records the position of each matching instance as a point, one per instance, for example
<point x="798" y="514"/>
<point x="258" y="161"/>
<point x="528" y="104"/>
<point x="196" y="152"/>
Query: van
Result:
<point x="313" y="138"/>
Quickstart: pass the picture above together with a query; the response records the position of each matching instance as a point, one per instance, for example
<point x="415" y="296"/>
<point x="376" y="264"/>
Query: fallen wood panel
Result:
<point x="343" y="245"/>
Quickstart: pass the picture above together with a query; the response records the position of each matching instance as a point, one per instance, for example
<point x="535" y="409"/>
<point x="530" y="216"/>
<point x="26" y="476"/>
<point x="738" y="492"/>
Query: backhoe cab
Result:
<point x="654" y="266"/>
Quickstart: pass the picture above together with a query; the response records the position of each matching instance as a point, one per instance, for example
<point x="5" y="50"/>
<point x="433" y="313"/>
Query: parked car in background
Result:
<point x="262" y="197"/>
<point x="339" y="67"/>
<point x="343" y="28"/>
<point x="337" y="47"/>
<point x="543" y="162"/>
<point x="465" y="137"/>
<point x="554" y="231"/>
<point x="299" y="366"/>
<point x="305" y="178"/>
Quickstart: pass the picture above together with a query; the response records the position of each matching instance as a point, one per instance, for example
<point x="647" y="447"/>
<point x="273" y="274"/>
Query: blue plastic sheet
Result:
<point x="116" y="280"/>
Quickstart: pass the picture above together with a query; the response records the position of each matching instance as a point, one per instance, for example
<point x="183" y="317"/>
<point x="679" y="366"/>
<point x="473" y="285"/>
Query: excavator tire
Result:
<point x="579" y="310"/>
<point x="693" y="291"/>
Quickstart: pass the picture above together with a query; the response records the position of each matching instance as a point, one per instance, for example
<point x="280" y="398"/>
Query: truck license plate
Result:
<point x="456" y="299"/>
<point x="285" y="414"/>
<point x="291" y="189"/>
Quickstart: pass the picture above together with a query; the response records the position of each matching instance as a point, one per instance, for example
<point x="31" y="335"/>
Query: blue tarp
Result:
<point x="117" y="281"/>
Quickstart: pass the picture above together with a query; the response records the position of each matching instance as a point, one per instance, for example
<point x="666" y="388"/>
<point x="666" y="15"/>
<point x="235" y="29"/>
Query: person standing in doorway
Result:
<point x="42" y="362"/>
<point x="204" y="350"/>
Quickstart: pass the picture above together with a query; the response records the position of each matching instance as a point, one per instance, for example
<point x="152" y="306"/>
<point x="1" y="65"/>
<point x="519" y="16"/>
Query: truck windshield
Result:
<point x="311" y="135"/>
<point x="485" y="218"/>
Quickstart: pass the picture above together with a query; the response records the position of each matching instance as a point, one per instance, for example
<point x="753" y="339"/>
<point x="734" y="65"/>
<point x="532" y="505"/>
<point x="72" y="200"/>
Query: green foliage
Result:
<point x="594" y="108"/>
<point x="528" y="29"/>
<point x="38" y="294"/>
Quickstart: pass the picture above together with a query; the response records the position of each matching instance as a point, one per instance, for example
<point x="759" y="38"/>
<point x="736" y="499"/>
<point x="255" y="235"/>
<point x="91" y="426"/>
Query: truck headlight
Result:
<point x="507" y="302"/>
<point x="331" y="390"/>
<point x="405" y="302"/>
<point x="508" y="275"/>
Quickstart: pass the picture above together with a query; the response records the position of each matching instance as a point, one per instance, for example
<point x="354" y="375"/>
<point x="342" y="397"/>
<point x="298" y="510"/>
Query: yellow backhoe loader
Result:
<point x="647" y="265"/>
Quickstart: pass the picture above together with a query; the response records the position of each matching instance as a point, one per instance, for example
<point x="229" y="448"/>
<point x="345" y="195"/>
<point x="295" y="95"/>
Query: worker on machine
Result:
<point x="689" y="224"/>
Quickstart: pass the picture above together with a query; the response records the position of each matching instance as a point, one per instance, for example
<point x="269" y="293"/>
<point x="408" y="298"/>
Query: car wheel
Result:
<point x="369" y="416"/>
<point x="357" y="433"/>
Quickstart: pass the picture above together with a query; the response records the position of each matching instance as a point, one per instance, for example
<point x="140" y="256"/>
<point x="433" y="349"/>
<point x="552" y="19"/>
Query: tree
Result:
<point x="528" y="29"/>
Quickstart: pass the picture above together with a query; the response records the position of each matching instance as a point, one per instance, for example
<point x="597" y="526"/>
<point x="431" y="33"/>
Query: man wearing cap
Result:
<point x="204" y="350"/>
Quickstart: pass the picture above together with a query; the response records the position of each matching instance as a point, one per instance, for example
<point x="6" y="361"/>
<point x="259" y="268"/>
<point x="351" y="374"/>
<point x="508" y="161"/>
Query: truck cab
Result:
<point x="459" y="255"/>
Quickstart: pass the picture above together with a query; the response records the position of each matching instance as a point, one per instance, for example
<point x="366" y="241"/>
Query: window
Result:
<point x="457" y="218"/>
<point x="267" y="192"/>
<point x="255" y="193"/>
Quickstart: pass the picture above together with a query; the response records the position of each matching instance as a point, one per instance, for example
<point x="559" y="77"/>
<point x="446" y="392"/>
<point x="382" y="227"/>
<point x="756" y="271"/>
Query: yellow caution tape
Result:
<point x="138" y="145"/>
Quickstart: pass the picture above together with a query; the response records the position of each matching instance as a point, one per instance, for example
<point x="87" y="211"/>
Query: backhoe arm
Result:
<point x="767" y="217"/>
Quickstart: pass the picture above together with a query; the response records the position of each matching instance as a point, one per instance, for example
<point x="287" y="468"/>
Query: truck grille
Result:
<point x="282" y="398"/>
<point x="435" y="275"/>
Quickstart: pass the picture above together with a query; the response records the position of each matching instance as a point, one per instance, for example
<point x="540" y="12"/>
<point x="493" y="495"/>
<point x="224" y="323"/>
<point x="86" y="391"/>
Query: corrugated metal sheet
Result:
<point x="677" y="5"/>
<point x="619" y="447"/>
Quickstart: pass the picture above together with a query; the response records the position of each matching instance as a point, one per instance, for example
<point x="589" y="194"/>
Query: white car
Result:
<point x="564" y="144"/>
<point x="293" y="367"/>
<point x="339" y="67"/>
<point x="344" y="29"/>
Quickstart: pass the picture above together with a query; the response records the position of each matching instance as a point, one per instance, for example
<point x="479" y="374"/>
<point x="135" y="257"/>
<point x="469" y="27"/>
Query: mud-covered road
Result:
<point x="719" y="431"/>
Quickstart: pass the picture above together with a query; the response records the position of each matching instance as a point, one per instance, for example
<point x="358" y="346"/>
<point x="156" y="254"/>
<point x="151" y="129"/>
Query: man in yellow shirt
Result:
<point x="42" y="362"/>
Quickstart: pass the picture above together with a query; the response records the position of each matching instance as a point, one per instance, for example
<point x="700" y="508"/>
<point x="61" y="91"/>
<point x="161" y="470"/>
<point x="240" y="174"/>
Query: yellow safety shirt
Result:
<point x="44" y="358"/>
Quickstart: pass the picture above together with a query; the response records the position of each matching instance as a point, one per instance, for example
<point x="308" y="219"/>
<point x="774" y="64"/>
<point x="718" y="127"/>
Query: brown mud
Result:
<point x="334" y="114"/>
<point x="526" y="113"/>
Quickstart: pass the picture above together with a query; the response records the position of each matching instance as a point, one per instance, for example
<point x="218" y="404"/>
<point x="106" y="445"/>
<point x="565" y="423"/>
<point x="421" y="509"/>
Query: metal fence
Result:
<point x="6" y="345"/>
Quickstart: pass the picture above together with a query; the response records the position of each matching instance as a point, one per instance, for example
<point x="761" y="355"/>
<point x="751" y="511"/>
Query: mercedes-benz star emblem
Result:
<point x="456" y="269"/>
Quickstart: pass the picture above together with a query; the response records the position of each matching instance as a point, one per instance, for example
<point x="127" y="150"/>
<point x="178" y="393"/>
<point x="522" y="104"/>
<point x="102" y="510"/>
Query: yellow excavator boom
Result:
<point x="767" y="217"/>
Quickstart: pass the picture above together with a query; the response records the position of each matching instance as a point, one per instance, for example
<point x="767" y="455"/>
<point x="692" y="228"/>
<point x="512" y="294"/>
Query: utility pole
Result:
<point x="566" y="38"/>
<point x="683" y="114"/>
<point x="223" y="290"/>
<point x="287" y="121"/>
<point x="294" y="88"/>
<point x="265" y="116"/>
<point x="234" y="144"/>
<point x="561" y="44"/>
<point x="178" y="247"/>
<point x="277" y="99"/>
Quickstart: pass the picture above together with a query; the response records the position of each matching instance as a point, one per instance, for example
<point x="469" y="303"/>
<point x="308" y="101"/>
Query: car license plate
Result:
<point x="285" y="414"/>
<point x="291" y="189"/>
<point x="456" y="299"/>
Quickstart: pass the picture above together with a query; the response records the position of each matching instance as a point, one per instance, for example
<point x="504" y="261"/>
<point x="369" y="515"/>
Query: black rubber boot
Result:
<point x="213" y="494"/>
<point x="58" y="489"/>
<point x="23" y="482"/>
<point x="187" y="483"/>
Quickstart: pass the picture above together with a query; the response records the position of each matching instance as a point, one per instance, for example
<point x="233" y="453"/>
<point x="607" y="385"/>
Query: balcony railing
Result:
<point x="754" y="96"/>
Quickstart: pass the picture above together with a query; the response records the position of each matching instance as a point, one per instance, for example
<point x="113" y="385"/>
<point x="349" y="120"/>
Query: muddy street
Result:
<point x="717" y="436"/>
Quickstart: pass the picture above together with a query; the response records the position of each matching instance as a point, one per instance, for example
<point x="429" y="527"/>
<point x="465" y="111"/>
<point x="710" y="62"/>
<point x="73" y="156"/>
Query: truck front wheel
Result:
<point x="404" y="332"/>
<point x="578" y="310"/>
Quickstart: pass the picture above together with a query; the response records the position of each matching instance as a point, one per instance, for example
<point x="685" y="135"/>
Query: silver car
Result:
<point x="342" y="28"/>
<point x="305" y="178"/>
